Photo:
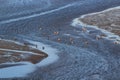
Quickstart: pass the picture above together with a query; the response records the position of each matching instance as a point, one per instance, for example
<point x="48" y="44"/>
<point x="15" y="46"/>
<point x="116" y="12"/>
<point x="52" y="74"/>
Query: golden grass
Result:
<point x="108" y="20"/>
<point x="14" y="56"/>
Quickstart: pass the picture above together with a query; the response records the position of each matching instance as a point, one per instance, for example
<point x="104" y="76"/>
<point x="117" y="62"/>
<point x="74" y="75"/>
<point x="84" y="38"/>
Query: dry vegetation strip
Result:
<point x="12" y="52"/>
<point x="109" y="20"/>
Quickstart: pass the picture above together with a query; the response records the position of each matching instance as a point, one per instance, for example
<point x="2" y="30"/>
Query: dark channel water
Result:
<point x="99" y="60"/>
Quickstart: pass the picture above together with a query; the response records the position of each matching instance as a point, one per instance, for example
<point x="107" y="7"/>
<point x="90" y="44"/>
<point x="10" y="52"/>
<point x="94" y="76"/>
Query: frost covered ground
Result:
<point x="16" y="8"/>
<point x="11" y="51"/>
<point x="11" y="67"/>
<point x="107" y="21"/>
<point x="80" y="56"/>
